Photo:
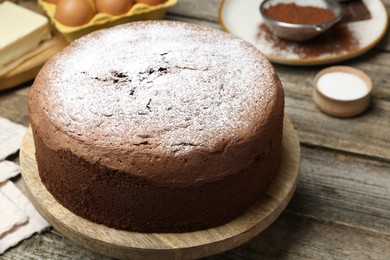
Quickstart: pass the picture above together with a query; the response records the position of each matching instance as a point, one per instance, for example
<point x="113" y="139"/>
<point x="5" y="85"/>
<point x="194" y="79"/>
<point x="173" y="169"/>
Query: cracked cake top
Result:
<point x="169" y="87"/>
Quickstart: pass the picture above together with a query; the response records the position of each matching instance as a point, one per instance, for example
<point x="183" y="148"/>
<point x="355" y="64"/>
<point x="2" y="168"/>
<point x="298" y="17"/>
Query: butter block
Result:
<point x="21" y="30"/>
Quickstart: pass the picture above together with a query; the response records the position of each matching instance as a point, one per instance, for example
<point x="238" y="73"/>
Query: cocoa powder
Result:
<point x="337" y="40"/>
<point x="296" y="14"/>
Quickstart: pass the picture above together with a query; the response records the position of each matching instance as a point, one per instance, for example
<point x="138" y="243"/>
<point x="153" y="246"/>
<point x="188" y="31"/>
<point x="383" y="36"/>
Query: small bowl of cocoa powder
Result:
<point x="300" y="20"/>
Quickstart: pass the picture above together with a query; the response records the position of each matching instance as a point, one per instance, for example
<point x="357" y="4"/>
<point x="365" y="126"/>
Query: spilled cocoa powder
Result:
<point x="296" y="14"/>
<point x="337" y="40"/>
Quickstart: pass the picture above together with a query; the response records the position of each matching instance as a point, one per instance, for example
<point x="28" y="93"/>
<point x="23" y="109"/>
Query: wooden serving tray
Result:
<point x="124" y="244"/>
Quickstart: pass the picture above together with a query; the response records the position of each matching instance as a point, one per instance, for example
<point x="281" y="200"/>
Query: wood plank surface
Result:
<point x="13" y="104"/>
<point x="343" y="188"/>
<point x="296" y="237"/>
<point x="341" y="207"/>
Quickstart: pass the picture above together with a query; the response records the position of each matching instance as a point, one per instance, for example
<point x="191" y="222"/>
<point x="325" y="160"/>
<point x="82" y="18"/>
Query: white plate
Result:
<point x="242" y="18"/>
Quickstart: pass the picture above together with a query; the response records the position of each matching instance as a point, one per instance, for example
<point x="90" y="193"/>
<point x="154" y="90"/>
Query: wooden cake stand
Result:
<point x="124" y="244"/>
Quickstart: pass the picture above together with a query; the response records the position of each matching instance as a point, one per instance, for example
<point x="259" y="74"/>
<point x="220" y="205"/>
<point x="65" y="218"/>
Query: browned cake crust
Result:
<point x="157" y="126"/>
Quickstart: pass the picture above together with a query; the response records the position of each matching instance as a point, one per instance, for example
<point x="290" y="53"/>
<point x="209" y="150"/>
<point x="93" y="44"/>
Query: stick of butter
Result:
<point x="21" y="30"/>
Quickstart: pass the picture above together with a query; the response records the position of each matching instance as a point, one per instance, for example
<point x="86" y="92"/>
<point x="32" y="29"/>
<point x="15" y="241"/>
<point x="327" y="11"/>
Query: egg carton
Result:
<point x="138" y="12"/>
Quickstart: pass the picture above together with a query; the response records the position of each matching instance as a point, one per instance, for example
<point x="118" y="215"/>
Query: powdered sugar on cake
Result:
<point x="138" y="84"/>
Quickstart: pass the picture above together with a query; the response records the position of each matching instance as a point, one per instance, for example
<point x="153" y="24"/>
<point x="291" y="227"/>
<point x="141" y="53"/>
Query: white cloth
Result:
<point x="10" y="214"/>
<point x="18" y="217"/>
<point x="11" y="136"/>
<point x="8" y="170"/>
<point x="34" y="224"/>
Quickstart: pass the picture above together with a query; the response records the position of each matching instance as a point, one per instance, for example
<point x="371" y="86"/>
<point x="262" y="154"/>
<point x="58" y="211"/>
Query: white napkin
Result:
<point x="11" y="136"/>
<point x="34" y="224"/>
<point x="8" y="170"/>
<point x="10" y="214"/>
<point x="18" y="217"/>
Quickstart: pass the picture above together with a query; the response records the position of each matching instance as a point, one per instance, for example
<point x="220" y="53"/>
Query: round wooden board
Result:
<point x="124" y="244"/>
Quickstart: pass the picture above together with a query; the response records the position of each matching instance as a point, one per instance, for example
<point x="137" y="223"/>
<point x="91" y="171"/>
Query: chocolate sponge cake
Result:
<point x="157" y="126"/>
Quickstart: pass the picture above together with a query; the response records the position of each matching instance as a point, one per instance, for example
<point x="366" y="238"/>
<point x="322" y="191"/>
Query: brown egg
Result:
<point x="151" y="2"/>
<point x="74" y="12"/>
<point x="114" y="7"/>
<point x="51" y="1"/>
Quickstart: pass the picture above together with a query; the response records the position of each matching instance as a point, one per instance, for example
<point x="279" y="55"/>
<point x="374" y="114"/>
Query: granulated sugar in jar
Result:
<point x="342" y="85"/>
<point x="342" y="91"/>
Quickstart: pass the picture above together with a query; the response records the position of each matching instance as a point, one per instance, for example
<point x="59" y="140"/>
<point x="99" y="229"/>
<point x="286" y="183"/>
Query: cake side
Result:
<point x="122" y="201"/>
<point x="170" y="127"/>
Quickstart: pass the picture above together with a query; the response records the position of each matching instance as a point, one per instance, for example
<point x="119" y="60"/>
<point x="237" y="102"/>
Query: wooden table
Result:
<point x="341" y="208"/>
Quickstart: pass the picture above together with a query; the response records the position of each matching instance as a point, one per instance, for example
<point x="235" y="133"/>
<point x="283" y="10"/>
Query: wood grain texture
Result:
<point x="344" y="189"/>
<point x="360" y="135"/>
<point x="122" y="244"/>
<point x="297" y="237"/>
<point x="13" y="104"/>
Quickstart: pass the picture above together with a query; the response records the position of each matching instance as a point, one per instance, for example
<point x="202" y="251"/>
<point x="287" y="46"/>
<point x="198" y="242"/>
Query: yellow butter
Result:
<point x="21" y="30"/>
